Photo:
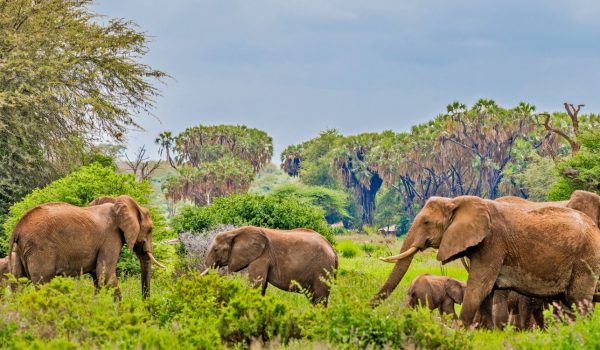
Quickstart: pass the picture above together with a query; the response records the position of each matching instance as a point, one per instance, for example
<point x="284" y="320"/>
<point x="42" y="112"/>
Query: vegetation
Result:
<point x="67" y="77"/>
<point x="485" y="150"/>
<point x="189" y="311"/>
<point x="333" y="202"/>
<point x="252" y="209"/>
<point x="213" y="161"/>
<point x="582" y="170"/>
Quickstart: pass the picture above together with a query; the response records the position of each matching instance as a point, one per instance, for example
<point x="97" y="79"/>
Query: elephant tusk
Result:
<point x="204" y="272"/>
<point x="395" y="258"/>
<point x="463" y="260"/>
<point x="155" y="261"/>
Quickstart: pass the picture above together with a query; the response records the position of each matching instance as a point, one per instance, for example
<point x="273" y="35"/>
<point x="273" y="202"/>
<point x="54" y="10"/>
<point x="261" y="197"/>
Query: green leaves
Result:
<point x="65" y="74"/>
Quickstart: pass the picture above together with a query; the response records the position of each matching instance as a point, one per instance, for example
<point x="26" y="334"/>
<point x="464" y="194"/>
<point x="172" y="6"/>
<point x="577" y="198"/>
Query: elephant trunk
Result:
<point x="397" y="273"/>
<point x="146" y="267"/>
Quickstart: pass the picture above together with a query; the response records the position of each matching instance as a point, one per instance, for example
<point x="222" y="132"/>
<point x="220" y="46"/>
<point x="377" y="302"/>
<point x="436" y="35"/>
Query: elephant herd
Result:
<point x="522" y="254"/>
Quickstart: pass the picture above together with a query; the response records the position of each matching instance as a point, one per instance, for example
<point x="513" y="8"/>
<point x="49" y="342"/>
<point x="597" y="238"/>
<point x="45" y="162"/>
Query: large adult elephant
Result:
<point x="283" y="258"/>
<point x="584" y="201"/>
<point x="548" y="252"/>
<point x="60" y="239"/>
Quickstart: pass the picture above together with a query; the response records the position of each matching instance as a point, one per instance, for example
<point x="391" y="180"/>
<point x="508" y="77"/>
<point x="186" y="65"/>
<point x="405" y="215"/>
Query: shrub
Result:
<point x="347" y="248"/>
<point x="580" y="172"/>
<point x="81" y="187"/>
<point x="333" y="202"/>
<point x="193" y="247"/>
<point x="253" y="209"/>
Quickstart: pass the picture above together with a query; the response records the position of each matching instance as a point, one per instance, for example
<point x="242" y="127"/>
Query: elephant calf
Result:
<point x="5" y="265"/>
<point x="436" y="292"/>
<point x="521" y="311"/>
<point x="283" y="258"/>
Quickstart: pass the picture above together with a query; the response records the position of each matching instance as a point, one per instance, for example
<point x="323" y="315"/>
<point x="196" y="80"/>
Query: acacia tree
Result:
<point x="65" y="76"/>
<point x="213" y="161"/>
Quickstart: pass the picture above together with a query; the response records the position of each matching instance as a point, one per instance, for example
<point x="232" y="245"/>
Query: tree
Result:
<point x="66" y="77"/>
<point x="214" y="161"/>
<point x="141" y="166"/>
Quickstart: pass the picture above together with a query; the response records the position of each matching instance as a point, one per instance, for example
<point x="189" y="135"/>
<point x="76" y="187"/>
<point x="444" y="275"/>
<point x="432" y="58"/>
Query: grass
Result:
<point x="214" y="312"/>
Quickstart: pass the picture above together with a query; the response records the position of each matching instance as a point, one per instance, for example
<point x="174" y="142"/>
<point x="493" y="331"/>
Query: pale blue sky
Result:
<point x="293" y="68"/>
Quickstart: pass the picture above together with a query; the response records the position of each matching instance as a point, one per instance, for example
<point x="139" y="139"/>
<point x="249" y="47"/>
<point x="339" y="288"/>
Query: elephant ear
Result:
<point x="248" y="244"/>
<point x="455" y="290"/>
<point x="102" y="200"/>
<point x="469" y="225"/>
<point x="128" y="219"/>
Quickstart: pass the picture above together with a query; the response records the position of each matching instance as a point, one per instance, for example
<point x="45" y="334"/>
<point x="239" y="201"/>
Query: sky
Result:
<point x="294" y="68"/>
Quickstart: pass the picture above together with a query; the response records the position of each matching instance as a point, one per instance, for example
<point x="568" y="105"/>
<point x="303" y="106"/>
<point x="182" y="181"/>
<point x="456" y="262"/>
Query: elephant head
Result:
<point x="135" y="223"/>
<point x="587" y="203"/>
<point x="449" y="225"/>
<point x="236" y="249"/>
<point x="455" y="290"/>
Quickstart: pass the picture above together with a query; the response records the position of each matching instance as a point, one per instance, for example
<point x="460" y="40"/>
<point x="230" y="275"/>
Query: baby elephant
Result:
<point x="283" y="258"/>
<point x="436" y="292"/>
<point x="4" y="266"/>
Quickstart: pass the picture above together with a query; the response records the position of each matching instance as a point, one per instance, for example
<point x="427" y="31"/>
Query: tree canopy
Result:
<point x="482" y="150"/>
<point x="67" y="76"/>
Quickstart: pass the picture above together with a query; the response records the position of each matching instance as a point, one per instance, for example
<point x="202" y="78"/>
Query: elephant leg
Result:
<point x="582" y="288"/>
<point x="320" y="293"/>
<point x="538" y="313"/>
<point x="258" y="272"/>
<point x="525" y="313"/>
<point x="106" y="275"/>
<point x="501" y="315"/>
<point x="480" y="284"/>
<point x="447" y="307"/>
<point x="41" y="271"/>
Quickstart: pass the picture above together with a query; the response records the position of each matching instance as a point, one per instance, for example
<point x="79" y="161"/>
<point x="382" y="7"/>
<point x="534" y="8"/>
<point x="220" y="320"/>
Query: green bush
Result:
<point x="581" y="171"/>
<point x="333" y="202"/>
<point x="347" y="248"/>
<point x="253" y="209"/>
<point x="79" y="188"/>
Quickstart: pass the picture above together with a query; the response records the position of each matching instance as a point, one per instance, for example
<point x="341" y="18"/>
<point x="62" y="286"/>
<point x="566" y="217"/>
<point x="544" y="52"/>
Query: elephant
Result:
<point x="283" y="258"/>
<point x="584" y="201"/>
<point x="523" y="312"/>
<point x="436" y="292"/>
<point x="499" y="239"/>
<point x="5" y="265"/>
<point x="60" y="239"/>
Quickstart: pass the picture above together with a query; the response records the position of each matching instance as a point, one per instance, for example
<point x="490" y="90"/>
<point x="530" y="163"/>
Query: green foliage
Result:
<point x="538" y="178"/>
<point x="347" y="248"/>
<point x="253" y="209"/>
<point x="268" y="178"/>
<point x="582" y="170"/>
<point x="333" y="202"/>
<point x="81" y="187"/>
<point x="67" y="77"/>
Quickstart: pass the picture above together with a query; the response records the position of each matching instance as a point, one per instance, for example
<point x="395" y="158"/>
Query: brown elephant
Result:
<point x="436" y="292"/>
<point x="584" y="201"/>
<point x="548" y="252"/>
<point x="521" y="311"/>
<point x="283" y="258"/>
<point x="62" y="239"/>
<point x="5" y="265"/>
